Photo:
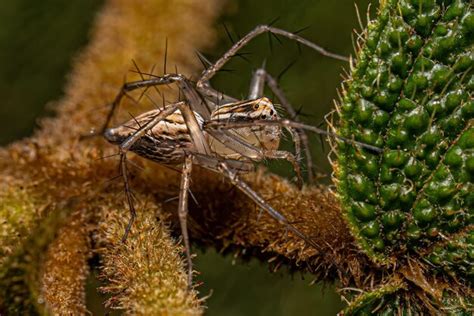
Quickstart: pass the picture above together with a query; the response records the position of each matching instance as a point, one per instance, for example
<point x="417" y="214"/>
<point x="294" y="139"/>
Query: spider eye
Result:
<point x="271" y="112"/>
<point x="256" y="106"/>
<point x="264" y="116"/>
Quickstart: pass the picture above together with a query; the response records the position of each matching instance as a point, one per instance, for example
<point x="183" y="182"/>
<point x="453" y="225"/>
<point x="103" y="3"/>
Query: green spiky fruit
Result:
<point x="394" y="299"/>
<point x="411" y="94"/>
<point x="455" y="256"/>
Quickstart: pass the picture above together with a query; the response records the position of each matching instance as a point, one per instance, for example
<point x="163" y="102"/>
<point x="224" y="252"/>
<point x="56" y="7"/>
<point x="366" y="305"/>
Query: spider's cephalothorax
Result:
<point x="215" y="131"/>
<point x="266" y="137"/>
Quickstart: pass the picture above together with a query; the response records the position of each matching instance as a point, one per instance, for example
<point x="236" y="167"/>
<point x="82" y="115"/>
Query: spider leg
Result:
<point x="259" y="79"/>
<point x="214" y="68"/>
<point x="214" y="96"/>
<point x="123" y="149"/>
<point x="130" y="140"/>
<point x="195" y="131"/>
<point x="183" y="212"/>
<point x="221" y="166"/>
<point x="128" y="194"/>
<point x="185" y="86"/>
<point x="281" y="154"/>
<point x="126" y="145"/>
<point x="285" y="122"/>
<point x="257" y="84"/>
<point x="254" y="153"/>
<point x="130" y="86"/>
<point x="273" y="84"/>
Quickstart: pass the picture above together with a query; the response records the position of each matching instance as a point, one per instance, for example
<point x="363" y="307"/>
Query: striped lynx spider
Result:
<point x="215" y="131"/>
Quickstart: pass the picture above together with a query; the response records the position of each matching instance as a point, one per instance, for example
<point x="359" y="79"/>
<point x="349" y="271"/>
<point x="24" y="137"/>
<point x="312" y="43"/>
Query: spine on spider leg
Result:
<point x="410" y="208"/>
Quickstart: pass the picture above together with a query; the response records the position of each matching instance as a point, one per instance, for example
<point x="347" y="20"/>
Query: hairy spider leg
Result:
<point x="200" y="146"/>
<point x="274" y="86"/>
<point x="123" y="149"/>
<point x="191" y="95"/>
<point x="215" y="67"/>
<point x="183" y="208"/>
<point x="183" y="212"/>
<point x="128" y="195"/>
<point x="222" y="167"/>
<point x="257" y="84"/>
<point x="240" y="145"/>
<point x="259" y="79"/>
<point x="222" y="125"/>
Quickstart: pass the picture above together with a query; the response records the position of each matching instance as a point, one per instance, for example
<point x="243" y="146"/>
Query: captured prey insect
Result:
<point x="195" y="131"/>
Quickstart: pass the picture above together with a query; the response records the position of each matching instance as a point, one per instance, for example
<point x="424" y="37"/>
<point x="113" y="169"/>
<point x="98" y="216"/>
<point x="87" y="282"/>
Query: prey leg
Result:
<point x="183" y="213"/>
<point x="223" y="168"/>
<point x="214" y="68"/>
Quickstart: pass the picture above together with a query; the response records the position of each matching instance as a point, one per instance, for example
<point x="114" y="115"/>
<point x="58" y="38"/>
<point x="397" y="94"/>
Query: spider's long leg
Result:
<point x="223" y="168"/>
<point x="259" y="79"/>
<point x="130" y="140"/>
<point x="273" y="84"/>
<point x="257" y="84"/>
<point x="128" y="194"/>
<point x="191" y="95"/>
<point x="281" y="154"/>
<point x="254" y="153"/>
<point x="216" y="97"/>
<point x="125" y="146"/>
<point x="200" y="142"/>
<point x="130" y="86"/>
<point x="183" y="212"/>
<point x="214" y="68"/>
<point x="215" y="125"/>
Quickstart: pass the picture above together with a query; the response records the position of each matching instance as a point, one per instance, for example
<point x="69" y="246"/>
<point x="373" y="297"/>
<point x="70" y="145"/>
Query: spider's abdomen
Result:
<point x="165" y="143"/>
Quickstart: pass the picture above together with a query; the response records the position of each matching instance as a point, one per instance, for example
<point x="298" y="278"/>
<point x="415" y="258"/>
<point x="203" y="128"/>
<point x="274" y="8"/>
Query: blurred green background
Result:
<point x="38" y="42"/>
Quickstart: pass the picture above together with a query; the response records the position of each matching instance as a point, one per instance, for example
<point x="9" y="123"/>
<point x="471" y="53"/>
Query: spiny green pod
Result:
<point x="393" y="299"/>
<point x="412" y="205"/>
<point x="455" y="256"/>
<point x="410" y="94"/>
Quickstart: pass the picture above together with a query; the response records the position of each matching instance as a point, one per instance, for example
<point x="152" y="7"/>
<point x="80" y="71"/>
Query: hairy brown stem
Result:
<point x="65" y="268"/>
